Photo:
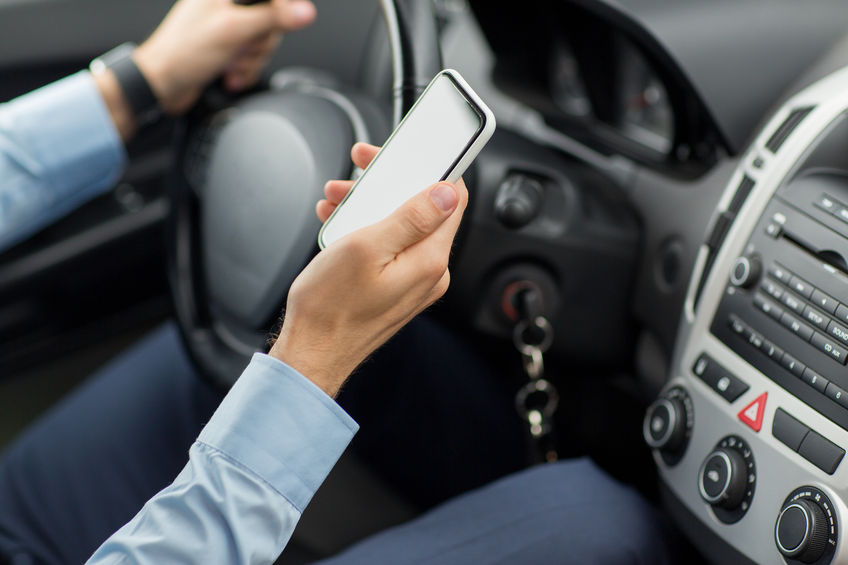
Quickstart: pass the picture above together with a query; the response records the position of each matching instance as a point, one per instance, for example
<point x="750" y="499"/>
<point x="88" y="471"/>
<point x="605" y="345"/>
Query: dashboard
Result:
<point x="750" y="432"/>
<point x="598" y="84"/>
<point x="750" y="428"/>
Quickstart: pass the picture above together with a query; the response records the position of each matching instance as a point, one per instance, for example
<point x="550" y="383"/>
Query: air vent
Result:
<point x="741" y="195"/>
<point x="721" y="227"/>
<point x="782" y="133"/>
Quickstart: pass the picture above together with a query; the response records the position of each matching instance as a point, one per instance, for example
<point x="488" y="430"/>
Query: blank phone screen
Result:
<point x="421" y="152"/>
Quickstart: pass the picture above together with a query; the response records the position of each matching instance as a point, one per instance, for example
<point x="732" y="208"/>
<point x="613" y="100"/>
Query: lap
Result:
<point x="566" y="512"/>
<point x="88" y="465"/>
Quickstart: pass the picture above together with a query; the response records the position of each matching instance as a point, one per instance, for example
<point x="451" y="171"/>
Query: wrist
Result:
<point x="315" y="365"/>
<point x="116" y="104"/>
<point x="126" y="89"/>
<point x="158" y="76"/>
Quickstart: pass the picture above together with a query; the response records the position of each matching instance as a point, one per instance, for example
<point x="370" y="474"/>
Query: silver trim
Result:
<point x="390" y="17"/>
<point x="780" y="469"/>
<point x="798" y="549"/>
<point x="723" y="493"/>
<point x="740" y="281"/>
<point x="672" y="423"/>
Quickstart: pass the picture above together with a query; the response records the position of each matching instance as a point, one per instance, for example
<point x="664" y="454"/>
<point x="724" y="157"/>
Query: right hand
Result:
<point x="362" y="289"/>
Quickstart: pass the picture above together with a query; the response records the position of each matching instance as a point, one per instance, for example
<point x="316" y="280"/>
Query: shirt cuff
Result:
<point x="282" y="427"/>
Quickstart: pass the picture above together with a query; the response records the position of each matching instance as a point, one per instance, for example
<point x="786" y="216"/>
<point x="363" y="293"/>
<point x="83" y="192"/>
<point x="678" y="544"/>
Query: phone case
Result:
<point x="463" y="161"/>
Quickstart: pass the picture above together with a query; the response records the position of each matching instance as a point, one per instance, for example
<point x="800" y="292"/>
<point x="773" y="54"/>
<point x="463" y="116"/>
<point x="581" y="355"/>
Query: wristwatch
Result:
<point x="137" y="91"/>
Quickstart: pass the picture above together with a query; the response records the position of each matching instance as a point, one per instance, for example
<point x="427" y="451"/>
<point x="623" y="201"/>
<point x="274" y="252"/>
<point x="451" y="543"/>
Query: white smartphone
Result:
<point x="437" y="140"/>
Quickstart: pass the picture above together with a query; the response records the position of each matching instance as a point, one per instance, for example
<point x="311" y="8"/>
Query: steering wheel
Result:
<point x="243" y="189"/>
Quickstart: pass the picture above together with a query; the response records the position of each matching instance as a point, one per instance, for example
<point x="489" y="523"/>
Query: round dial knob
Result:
<point x="518" y="200"/>
<point x="664" y="426"/>
<point x="746" y="271"/>
<point x="801" y="531"/>
<point x="722" y="479"/>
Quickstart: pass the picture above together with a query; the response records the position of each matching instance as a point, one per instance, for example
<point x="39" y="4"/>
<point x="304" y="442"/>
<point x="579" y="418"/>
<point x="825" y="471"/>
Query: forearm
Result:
<point x="251" y="473"/>
<point x="58" y="148"/>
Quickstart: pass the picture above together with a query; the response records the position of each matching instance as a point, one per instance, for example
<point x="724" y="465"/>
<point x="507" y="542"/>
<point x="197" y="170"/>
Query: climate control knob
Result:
<point x="668" y="424"/>
<point x="746" y="271"/>
<point x="722" y="478"/>
<point x="801" y="531"/>
<point x="807" y="529"/>
<point x="664" y="426"/>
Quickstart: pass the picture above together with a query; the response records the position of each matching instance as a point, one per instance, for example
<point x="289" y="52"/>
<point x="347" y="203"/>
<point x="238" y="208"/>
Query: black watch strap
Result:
<point x="137" y="91"/>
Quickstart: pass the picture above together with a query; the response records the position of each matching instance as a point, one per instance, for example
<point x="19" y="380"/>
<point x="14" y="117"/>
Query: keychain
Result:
<point x="537" y="400"/>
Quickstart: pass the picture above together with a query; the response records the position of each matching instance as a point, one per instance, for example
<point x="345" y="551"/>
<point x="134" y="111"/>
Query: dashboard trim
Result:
<point x="753" y="535"/>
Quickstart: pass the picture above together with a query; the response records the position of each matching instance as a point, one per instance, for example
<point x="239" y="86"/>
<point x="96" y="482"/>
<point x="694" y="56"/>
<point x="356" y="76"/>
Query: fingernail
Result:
<point x="301" y="11"/>
<point x="445" y="197"/>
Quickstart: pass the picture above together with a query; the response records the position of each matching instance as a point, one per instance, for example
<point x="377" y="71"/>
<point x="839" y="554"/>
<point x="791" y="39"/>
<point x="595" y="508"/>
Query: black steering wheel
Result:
<point x="244" y="187"/>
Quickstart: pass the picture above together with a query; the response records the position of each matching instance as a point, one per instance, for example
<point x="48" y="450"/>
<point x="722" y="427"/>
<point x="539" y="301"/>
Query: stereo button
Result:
<point x="815" y="317"/>
<point x="792" y="302"/>
<point x="773" y="351"/>
<point x="739" y="327"/>
<point x="815" y="380"/>
<point x="837" y="395"/>
<point x="839" y="332"/>
<point x="780" y="273"/>
<point x="825" y="302"/>
<point x="842" y="312"/>
<point x="825" y="345"/>
<point x="792" y="365"/>
<point x="772" y="289"/>
<point x="802" y="330"/>
<point x="802" y="287"/>
<point x="769" y="307"/>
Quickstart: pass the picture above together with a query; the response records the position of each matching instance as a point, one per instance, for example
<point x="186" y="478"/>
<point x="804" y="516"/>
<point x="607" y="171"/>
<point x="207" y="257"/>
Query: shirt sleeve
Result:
<point x="250" y="474"/>
<point x="58" y="149"/>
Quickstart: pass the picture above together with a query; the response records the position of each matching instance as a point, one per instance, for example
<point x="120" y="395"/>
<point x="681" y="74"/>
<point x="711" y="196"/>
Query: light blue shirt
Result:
<point x="250" y="474"/>
<point x="271" y="443"/>
<point x="58" y="149"/>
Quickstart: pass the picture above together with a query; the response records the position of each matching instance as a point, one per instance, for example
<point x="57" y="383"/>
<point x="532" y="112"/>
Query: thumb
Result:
<point x="417" y="218"/>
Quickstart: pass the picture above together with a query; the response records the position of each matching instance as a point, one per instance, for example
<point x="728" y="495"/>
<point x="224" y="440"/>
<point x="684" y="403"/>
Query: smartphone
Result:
<point x="437" y="140"/>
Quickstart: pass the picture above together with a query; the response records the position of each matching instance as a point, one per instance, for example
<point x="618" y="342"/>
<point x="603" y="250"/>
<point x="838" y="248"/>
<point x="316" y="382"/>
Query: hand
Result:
<point x="362" y="289"/>
<point x="201" y="39"/>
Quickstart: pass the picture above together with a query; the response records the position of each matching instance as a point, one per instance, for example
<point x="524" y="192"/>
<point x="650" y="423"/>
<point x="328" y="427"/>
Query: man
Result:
<point x="260" y="458"/>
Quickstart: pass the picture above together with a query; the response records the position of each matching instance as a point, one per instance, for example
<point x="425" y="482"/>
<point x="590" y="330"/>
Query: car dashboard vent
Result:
<point x="782" y="133"/>
<point x="720" y="228"/>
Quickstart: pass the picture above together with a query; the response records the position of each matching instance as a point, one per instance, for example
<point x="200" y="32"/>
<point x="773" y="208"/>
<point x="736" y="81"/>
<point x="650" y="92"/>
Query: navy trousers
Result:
<point x="88" y="465"/>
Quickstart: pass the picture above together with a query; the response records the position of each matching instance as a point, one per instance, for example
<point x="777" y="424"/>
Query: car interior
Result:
<point x="666" y="191"/>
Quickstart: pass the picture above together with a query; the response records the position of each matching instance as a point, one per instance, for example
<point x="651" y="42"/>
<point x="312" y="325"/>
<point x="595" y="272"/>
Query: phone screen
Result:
<point x="423" y="150"/>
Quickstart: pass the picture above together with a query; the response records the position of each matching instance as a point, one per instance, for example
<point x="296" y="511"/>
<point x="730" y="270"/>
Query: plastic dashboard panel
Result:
<point x="780" y="469"/>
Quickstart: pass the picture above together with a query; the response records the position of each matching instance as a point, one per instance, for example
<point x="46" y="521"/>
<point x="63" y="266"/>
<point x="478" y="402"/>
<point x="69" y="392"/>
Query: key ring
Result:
<point x="540" y="323"/>
<point x="539" y="386"/>
<point x="534" y="364"/>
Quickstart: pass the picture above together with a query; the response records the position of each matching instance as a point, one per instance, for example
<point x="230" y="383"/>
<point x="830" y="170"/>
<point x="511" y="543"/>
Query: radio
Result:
<point x="785" y="306"/>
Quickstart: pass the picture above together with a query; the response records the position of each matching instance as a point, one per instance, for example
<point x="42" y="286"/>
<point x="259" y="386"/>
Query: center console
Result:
<point x="751" y="430"/>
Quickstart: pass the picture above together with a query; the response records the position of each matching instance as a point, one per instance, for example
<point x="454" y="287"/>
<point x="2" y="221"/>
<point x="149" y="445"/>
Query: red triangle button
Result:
<point x="752" y="415"/>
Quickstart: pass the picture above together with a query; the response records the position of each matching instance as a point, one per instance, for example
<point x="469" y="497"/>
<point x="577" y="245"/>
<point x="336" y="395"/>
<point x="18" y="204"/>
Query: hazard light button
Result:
<point x="752" y="415"/>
